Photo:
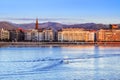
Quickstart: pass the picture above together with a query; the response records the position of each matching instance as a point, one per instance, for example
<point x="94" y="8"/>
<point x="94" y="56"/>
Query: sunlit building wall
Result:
<point x="75" y="34"/>
<point x="108" y="35"/>
<point x="91" y="36"/>
<point x="4" y="34"/>
<point x="100" y="35"/>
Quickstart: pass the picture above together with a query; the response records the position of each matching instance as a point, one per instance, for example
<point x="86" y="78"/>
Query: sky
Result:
<point x="63" y="11"/>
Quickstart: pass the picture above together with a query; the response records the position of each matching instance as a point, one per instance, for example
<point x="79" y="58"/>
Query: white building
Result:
<point x="34" y="35"/>
<point x="40" y="35"/>
<point x="60" y="36"/>
<point x="28" y="36"/>
<point x="48" y="34"/>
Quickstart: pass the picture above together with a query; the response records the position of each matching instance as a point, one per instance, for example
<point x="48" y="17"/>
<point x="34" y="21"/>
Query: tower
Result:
<point x="37" y="24"/>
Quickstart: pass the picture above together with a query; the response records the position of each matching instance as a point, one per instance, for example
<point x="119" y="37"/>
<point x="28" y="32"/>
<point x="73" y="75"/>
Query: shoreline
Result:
<point x="56" y="44"/>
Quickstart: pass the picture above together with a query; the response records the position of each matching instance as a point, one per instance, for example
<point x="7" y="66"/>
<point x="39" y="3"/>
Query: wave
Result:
<point x="46" y="64"/>
<point x="62" y="59"/>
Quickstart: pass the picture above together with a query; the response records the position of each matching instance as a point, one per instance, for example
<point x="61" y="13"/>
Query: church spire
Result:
<point x="37" y="24"/>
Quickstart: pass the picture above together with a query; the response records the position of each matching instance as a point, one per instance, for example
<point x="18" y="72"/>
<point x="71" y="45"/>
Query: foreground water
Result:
<point x="60" y="63"/>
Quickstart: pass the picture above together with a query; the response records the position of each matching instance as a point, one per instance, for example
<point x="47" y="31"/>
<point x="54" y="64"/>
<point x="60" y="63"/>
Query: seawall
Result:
<point x="29" y="44"/>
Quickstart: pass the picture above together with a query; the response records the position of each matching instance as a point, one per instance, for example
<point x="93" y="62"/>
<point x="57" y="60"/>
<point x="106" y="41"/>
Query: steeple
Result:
<point x="37" y="24"/>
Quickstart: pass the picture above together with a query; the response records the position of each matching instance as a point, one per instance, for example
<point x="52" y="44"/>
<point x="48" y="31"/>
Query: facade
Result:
<point x="108" y="35"/>
<point x="34" y="35"/>
<point x="28" y="35"/>
<point x="40" y="35"/>
<point x="75" y="34"/>
<point x="48" y="35"/>
<point x="60" y="36"/>
<point x="4" y="34"/>
<point x="113" y="26"/>
<point x="91" y="36"/>
<point x="13" y="35"/>
<point x="17" y="35"/>
<point x="21" y="35"/>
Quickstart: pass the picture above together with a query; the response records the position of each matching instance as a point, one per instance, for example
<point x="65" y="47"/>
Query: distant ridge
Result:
<point x="53" y="25"/>
<point x="7" y="25"/>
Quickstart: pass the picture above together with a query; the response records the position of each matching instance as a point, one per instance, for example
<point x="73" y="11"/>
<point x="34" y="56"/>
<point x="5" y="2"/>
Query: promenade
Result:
<point x="55" y="43"/>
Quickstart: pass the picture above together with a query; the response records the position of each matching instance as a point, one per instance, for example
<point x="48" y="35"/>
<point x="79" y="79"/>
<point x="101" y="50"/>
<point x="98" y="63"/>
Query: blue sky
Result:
<point x="64" y="11"/>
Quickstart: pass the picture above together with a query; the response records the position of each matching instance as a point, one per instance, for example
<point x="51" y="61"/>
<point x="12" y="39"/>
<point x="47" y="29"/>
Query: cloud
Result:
<point x="41" y="19"/>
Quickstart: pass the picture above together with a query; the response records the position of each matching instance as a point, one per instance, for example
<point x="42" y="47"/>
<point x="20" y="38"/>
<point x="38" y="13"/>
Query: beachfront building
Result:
<point x="13" y="35"/>
<point x="91" y="36"/>
<point x="40" y="35"/>
<point x="60" y="36"/>
<point x="108" y="35"/>
<point x="34" y="35"/>
<point x="20" y="34"/>
<point x="48" y="35"/>
<point x="75" y="34"/>
<point x="17" y="35"/>
<point x="28" y="35"/>
<point x="4" y="34"/>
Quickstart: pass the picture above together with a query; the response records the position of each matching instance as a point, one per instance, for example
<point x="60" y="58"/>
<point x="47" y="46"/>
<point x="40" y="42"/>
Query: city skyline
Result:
<point x="63" y="11"/>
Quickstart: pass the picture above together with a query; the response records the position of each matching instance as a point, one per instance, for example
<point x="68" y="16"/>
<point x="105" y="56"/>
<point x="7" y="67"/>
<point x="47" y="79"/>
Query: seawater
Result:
<point x="60" y="63"/>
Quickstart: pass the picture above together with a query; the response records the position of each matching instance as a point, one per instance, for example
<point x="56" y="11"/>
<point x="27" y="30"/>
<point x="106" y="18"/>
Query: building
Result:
<point x="40" y="35"/>
<point x="113" y="26"/>
<point x="34" y="35"/>
<point x="60" y="36"/>
<point x="108" y="35"/>
<point x="17" y="35"/>
<point x="91" y="36"/>
<point x="20" y="34"/>
<point x="4" y="34"/>
<point x="75" y="34"/>
<point x="37" y="24"/>
<point x="28" y="35"/>
<point x="48" y="35"/>
<point x="13" y="35"/>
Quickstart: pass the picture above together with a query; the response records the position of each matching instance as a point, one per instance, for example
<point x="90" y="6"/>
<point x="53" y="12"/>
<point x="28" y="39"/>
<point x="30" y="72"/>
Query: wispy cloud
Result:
<point x="41" y="19"/>
<point x="30" y="20"/>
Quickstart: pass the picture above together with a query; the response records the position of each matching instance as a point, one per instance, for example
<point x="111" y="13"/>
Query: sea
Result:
<point x="78" y="62"/>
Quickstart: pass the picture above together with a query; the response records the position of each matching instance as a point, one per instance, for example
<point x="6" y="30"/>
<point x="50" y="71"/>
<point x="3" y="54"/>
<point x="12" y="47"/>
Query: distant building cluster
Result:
<point x="63" y="35"/>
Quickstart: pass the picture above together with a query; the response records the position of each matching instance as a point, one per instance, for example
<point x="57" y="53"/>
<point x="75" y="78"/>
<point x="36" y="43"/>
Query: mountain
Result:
<point x="90" y="26"/>
<point x="54" y="26"/>
<point x="57" y="26"/>
<point x="7" y="25"/>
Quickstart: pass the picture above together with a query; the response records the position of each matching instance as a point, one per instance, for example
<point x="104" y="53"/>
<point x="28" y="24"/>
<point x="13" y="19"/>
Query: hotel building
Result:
<point x="108" y="35"/>
<point x="75" y="34"/>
